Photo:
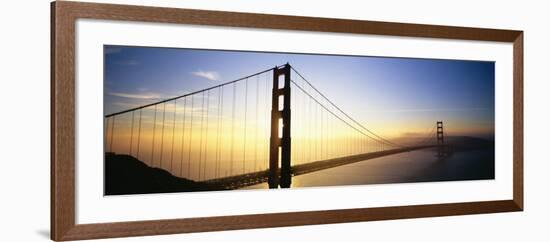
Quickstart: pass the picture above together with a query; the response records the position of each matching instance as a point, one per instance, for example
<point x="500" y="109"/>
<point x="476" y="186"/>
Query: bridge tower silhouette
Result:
<point x="441" y="150"/>
<point x="279" y="150"/>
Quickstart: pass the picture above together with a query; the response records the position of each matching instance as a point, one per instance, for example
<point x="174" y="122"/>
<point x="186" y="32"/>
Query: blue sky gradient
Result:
<point x="394" y="96"/>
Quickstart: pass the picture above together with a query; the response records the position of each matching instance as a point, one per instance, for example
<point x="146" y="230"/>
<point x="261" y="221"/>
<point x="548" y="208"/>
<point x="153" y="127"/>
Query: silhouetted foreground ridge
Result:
<point x="125" y="174"/>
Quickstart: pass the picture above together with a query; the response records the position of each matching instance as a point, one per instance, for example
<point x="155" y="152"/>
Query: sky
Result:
<point x="395" y="97"/>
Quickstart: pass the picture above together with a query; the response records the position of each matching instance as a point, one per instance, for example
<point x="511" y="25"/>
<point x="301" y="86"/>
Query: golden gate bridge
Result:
<point x="265" y="127"/>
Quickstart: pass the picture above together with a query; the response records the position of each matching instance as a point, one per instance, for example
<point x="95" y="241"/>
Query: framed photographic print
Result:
<point x="172" y="120"/>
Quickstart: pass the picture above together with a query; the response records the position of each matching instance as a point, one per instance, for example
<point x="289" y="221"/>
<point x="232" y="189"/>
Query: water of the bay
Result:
<point x="414" y="166"/>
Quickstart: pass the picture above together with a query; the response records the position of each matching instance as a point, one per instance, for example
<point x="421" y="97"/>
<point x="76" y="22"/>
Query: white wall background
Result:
<point x="24" y="120"/>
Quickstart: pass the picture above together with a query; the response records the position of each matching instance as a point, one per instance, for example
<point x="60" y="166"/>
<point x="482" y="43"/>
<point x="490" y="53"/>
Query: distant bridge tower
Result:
<point x="440" y="140"/>
<point x="279" y="147"/>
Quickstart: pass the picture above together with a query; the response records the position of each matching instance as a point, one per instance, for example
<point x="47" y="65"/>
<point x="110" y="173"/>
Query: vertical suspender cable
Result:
<point x="244" y="131"/>
<point x="112" y="133"/>
<point x="162" y="134"/>
<point x="232" y="128"/>
<point x="322" y="129"/>
<point x="310" y="130"/>
<point x="200" y="138"/>
<point x="219" y="131"/>
<point x="190" y="138"/>
<point x="131" y="133"/>
<point x="182" y="135"/>
<point x="316" y="131"/>
<point x="139" y="134"/>
<point x="173" y="134"/>
<point x="153" y="142"/>
<point x="266" y="121"/>
<point x="206" y="134"/>
<point x="257" y="124"/>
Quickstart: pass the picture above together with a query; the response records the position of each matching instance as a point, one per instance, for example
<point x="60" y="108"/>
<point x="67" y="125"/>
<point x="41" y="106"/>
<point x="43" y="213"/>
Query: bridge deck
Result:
<point x="249" y="179"/>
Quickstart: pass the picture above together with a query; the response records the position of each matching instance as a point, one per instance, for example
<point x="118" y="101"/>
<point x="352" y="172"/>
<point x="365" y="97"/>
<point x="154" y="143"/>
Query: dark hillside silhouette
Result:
<point x="125" y="174"/>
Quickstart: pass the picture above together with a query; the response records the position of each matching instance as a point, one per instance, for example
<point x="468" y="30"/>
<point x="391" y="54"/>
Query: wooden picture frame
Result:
<point x="63" y="18"/>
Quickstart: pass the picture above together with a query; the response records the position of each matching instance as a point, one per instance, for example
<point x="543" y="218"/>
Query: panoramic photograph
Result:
<point x="190" y="120"/>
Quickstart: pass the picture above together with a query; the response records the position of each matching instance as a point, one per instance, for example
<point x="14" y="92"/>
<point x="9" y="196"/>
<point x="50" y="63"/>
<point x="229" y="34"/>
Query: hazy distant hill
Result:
<point x="125" y="174"/>
<point x="460" y="142"/>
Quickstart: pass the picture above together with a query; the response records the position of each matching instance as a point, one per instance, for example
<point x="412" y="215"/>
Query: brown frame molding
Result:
<point x="63" y="17"/>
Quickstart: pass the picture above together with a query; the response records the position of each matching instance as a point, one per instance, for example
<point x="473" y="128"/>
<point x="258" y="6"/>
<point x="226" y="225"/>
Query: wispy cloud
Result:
<point x="210" y="75"/>
<point x="136" y="95"/>
<point x="125" y="105"/>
